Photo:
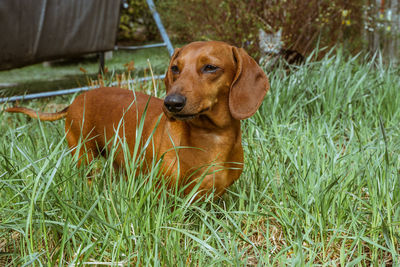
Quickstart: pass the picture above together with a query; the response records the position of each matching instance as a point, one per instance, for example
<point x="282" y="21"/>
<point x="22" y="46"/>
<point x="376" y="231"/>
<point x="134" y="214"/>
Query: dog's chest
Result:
<point x="187" y="149"/>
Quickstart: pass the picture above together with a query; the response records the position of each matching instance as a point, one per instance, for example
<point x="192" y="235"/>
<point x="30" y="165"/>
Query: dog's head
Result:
<point x="213" y="79"/>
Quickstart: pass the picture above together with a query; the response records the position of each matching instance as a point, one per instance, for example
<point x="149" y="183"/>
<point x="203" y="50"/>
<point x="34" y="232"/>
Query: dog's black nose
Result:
<point x="175" y="102"/>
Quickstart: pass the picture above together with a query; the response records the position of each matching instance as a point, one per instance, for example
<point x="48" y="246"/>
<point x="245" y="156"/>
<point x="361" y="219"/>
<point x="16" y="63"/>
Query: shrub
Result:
<point x="305" y="24"/>
<point x="136" y="23"/>
<point x="237" y="22"/>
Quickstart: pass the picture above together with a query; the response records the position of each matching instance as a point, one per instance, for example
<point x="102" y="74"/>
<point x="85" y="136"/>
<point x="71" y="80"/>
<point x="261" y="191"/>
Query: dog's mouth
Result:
<point x="184" y="117"/>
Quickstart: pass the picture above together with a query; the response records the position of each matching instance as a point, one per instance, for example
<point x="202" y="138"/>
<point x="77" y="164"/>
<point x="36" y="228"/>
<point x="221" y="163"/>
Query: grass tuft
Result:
<point x="320" y="185"/>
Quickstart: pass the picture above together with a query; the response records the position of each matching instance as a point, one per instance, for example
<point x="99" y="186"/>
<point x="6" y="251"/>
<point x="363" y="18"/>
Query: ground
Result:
<point x="71" y="73"/>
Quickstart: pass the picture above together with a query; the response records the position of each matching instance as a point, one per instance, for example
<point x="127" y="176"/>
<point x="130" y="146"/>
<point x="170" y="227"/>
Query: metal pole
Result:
<point x="101" y="63"/>
<point x="160" y="26"/>
<point x="138" y="46"/>
<point x="71" y="91"/>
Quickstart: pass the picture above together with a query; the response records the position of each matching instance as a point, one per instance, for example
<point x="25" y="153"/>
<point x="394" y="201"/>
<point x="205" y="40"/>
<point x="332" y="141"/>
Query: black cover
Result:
<point x="36" y="30"/>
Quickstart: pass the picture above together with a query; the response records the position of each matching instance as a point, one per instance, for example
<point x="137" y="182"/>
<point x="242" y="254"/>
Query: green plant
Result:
<point x="320" y="185"/>
<point x="136" y="23"/>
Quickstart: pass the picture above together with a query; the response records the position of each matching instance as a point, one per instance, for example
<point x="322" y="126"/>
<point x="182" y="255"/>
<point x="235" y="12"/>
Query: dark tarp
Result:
<point x="36" y="30"/>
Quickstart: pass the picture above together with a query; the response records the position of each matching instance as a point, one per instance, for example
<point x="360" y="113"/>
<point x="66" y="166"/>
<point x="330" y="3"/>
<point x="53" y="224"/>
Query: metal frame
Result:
<point x="101" y="56"/>
<point x="161" y="29"/>
<point x="73" y="90"/>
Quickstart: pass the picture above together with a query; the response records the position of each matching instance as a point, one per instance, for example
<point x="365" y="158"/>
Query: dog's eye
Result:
<point x="210" y="68"/>
<point x="175" y="69"/>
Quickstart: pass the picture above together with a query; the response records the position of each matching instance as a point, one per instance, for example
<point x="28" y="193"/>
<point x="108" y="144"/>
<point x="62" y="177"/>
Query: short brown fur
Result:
<point x="207" y="130"/>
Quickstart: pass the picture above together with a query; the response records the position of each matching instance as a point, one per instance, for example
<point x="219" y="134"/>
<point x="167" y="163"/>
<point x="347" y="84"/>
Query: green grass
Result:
<point x="321" y="186"/>
<point x="68" y="74"/>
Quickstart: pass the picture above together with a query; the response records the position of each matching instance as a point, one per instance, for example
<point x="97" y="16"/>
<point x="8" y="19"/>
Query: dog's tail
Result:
<point x="39" y="115"/>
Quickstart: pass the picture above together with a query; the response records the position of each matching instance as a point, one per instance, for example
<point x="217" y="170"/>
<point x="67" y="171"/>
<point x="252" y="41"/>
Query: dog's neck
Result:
<point x="206" y="129"/>
<point x="213" y="123"/>
<point x="217" y="118"/>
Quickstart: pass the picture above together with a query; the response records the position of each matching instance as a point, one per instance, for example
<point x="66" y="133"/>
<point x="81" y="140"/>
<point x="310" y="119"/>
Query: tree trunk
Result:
<point x="394" y="22"/>
<point x="376" y="38"/>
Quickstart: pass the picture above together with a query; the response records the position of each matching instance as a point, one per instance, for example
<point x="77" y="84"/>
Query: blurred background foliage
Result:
<point x="357" y="25"/>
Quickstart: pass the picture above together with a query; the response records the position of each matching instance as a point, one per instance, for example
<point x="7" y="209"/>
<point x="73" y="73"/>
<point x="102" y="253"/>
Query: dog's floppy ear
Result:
<point x="248" y="87"/>
<point x="168" y="75"/>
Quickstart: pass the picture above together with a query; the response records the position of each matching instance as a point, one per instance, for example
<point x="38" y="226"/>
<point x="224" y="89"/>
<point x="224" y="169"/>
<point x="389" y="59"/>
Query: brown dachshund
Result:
<point x="211" y="86"/>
